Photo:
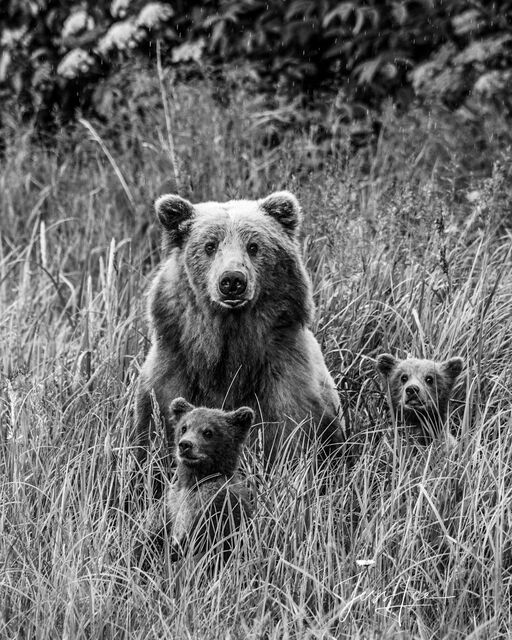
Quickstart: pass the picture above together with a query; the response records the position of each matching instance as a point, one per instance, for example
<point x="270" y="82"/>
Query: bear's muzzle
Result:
<point x="232" y="286"/>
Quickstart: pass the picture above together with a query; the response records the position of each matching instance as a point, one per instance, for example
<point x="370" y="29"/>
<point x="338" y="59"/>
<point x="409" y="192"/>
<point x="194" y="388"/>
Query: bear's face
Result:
<point x="209" y="441"/>
<point x="419" y="388"/>
<point x="234" y="252"/>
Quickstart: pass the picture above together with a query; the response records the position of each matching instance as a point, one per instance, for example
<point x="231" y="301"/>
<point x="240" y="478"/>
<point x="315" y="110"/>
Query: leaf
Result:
<point x="343" y="11"/>
<point x="374" y="16"/>
<point x="217" y="35"/>
<point x="103" y="100"/>
<point x="367" y="70"/>
<point x="468" y="22"/>
<point x="360" y="19"/>
<point x="300" y="8"/>
<point x="400" y="13"/>
<point x="5" y="60"/>
<point x="338" y="51"/>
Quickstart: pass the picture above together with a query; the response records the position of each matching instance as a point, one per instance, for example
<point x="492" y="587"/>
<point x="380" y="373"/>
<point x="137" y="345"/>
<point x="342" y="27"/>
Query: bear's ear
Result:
<point x="242" y="419"/>
<point x="386" y="363"/>
<point x="452" y="367"/>
<point x="174" y="213"/>
<point x="285" y="208"/>
<point x="179" y="407"/>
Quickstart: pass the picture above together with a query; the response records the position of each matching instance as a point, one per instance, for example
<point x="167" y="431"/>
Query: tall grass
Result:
<point x="401" y="543"/>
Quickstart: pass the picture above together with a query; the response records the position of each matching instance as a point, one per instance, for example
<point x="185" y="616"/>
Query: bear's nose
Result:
<point x="412" y="391"/>
<point x="184" y="446"/>
<point x="232" y="284"/>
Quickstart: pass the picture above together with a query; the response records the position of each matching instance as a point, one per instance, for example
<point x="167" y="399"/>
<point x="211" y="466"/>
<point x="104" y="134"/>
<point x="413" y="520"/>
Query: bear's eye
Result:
<point x="207" y="433"/>
<point x="429" y="379"/>
<point x="209" y="248"/>
<point x="252" y="248"/>
<point x="184" y="429"/>
<point x="404" y="377"/>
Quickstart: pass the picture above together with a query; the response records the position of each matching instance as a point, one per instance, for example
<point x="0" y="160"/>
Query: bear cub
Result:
<point x="420" y="390"/>
<point x="206" y="502"/>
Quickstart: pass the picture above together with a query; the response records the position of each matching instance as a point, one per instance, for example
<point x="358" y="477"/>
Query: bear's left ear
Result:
<point x="179" y="407"/>
<point x="452" y="367"/>
<point x="386" y="363"/>
<point x="242" y="419"/>
<point x="285" y="208"/>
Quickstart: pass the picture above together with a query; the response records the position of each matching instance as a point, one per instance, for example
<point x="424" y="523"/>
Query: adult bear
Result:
<point x="229" y="312"/>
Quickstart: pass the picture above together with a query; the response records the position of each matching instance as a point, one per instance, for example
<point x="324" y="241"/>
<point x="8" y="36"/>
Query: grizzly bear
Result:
<point x="420" y="390"/>
<point x="230" y="312"/>
<point x="206" y="502"/>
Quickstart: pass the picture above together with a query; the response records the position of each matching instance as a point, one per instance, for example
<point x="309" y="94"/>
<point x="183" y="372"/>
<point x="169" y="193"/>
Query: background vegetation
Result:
<point x="407" y="239"/>
<point x="58" y="57"/>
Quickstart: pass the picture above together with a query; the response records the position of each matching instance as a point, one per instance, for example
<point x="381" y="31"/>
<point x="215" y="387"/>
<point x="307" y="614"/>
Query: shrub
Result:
<point x="55" y="58"/>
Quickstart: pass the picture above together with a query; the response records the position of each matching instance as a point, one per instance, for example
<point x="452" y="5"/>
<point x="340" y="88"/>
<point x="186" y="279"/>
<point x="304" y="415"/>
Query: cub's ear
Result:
<point x="174" y="214"/>
<point x="179" y="407"/>
<point x="386" y="363"/>
<point x="284" y="207"/>
<point x="242" y="419"/>
<point x="452" y="367"/>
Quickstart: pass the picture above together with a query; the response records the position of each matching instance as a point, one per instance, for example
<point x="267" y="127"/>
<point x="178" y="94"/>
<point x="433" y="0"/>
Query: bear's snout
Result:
<point x="184" y="446"/>
<point x="232" y="284"/>
<point x="412" y="391"/>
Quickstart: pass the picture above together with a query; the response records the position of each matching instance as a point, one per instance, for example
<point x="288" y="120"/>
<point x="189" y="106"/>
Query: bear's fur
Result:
<point x="420" y="390"/>
<point x="229" y="311"/>
<point x="205" y="504"/>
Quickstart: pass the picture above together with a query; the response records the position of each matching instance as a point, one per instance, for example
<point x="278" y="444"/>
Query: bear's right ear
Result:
<point x="242" y="419"/>
<point x="452" y="367"/>
<point x="285" y="208"/>
<point x="386" y="363"/>
<point x="179" y="407"/>
<point x="174" y="213"/>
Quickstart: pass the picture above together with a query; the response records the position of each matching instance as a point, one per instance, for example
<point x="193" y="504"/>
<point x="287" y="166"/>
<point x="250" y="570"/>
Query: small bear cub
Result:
<point x="420" y="390"/>
<point x="207" y="500"/>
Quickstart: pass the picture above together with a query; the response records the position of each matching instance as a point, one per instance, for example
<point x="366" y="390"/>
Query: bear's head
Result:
<point x="239" y="253"/>
<point x="419" y="389"/>
<point x="209" y="441"/>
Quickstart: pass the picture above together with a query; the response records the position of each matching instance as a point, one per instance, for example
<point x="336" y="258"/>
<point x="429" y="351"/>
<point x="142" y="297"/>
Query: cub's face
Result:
<point x="420" y="387"/>
<point x="233" y="251"/>
<point x="209" y="440"/>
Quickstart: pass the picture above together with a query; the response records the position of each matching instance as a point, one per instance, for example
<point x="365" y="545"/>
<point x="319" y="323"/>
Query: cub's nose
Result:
<point x="412" y="391"/>
<point x="232" y="284"/>
<point x="184" y="446"/>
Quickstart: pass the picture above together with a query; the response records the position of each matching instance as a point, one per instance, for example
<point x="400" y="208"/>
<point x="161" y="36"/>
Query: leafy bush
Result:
<point x="54" y="57"/>
<point x="474" y="67"/>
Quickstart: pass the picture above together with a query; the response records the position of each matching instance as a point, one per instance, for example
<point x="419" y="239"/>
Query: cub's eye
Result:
<point x="429" y="379"/>
<point x="207" y="433"/>
<point x="209" y="248"/>
<point x="183" y="429"/>
<point x="404" y="377"/>
<point x="252" y="248"/>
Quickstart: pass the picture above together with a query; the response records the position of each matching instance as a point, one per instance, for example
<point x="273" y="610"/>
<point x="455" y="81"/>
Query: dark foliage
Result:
<point x="55" y="57"/>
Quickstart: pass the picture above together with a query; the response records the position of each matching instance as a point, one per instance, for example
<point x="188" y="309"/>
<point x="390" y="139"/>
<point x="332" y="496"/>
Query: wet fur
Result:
<point x="263" y="356"/>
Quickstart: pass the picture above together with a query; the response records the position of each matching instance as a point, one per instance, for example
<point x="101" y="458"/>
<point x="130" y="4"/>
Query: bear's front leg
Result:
<point x="144" y="422"/>
<point x="162" y="380"/>
<point x="154" y="431"/>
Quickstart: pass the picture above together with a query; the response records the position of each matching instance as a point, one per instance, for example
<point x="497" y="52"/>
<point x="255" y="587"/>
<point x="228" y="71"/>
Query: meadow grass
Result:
<point x="409" y="252"/>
